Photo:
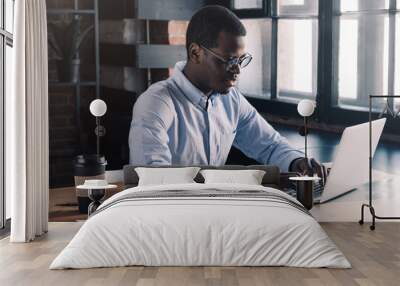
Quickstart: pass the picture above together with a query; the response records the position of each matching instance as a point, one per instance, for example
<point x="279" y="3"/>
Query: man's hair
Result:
<point x="206" y="24"/>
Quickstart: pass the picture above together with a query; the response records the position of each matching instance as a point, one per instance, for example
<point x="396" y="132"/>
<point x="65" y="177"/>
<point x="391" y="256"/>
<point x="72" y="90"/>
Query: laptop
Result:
<point x="350" y="166"/>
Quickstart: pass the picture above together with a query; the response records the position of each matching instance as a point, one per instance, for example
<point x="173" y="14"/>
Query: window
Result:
<point x="7" y="84"/>
<point x="284" y="48"/>
<point x="337" y="52"/>
<point x="6" y="60"/>
<point x="397" y="62"/>
<point x="2" y="137"/>
<point x="297" y="43"/>
<point x="249" y="8"/>
<point x="348" y="42"/>
<point x="247" y="4"/>
<point x="361" y="58"/>
<point x="297" y="58"/>
<point x="297" y="7"/>
<point x="255" y="79"/>
<point x="9" y="13"/>
<point x="362" y="5"/>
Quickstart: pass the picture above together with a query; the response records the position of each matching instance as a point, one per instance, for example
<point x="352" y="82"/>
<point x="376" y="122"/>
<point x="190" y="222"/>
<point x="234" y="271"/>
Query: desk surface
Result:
<point x="63" y="203"/>
<point x="322" y="145"/>
<point x="386" y="191"/>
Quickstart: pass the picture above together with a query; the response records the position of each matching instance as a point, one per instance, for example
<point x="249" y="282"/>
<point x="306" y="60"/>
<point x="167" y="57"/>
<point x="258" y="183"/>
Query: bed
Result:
<point x="197" y="224"/>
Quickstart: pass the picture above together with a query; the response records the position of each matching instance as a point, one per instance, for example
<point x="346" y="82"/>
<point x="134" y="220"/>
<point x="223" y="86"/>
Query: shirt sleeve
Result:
<point x="148" y="137"/>
<point x="257" y="139"/>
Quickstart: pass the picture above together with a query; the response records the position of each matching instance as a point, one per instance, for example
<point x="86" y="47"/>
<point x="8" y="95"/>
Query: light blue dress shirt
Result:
<point x="172" y="124"/>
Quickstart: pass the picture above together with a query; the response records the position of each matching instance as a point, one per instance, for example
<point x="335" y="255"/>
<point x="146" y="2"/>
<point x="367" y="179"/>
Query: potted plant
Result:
<point x="65" y="39"/>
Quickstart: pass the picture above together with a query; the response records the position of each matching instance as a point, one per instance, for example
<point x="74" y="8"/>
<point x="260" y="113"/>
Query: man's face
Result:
<point x="215" y="71"/>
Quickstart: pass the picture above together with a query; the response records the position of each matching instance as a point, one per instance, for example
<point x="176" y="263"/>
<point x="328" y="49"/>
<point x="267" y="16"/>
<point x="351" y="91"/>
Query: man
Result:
<point x="196" y="115"/>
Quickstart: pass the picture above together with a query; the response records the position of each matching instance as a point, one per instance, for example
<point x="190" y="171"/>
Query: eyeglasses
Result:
<point x="241" y="61"/>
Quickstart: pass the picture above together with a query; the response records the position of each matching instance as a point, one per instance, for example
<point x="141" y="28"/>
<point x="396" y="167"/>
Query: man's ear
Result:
<point x="194" y="53"/>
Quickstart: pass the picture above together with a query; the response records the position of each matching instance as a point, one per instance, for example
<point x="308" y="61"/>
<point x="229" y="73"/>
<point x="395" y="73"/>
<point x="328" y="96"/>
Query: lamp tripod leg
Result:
<point x="372" y="210"/>
<point x="361" y="221"/>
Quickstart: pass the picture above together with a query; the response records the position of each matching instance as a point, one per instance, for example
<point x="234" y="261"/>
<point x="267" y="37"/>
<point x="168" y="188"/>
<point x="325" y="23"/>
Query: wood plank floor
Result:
<point x="375" y="257"/>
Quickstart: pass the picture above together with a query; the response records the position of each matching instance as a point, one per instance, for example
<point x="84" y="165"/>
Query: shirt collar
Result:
<point x="195" y="95"/>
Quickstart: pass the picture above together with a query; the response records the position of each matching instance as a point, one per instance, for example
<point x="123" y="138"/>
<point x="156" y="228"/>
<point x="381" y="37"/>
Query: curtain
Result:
<point x="27" y="124"/>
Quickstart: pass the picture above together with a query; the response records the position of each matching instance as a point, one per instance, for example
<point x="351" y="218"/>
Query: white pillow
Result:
<point x="248" y="177"/>
<point x="162" y="176"/>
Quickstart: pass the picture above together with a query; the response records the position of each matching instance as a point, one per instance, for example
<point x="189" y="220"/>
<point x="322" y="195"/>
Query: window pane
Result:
<point x="397" y="62"/>
<point x="348" y="52"/>
<point x="1" y="16"/>
<point x="297" y="58"/>
<point x="71" y="48"/>
<point x="296" y="7"/>
<point x="8" y="86"/>
<point x="362" y="58"/>
<point x="255" y="79"/>
<point x="361" y="5"/>
<point x="247" y="4"/>
<point x="2" y="137"/>
<point x="9" y="13"/>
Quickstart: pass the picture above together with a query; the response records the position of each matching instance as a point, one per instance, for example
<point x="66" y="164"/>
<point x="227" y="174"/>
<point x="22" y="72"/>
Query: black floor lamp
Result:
<point x="369" y="205"/>
<point x="305" y="108"/>
<point x="98" y="108"/>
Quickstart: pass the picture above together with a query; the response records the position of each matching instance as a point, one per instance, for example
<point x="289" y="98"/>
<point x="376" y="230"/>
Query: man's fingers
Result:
<point x="308" y="170"/>
<point x="316" y="167"/>
<point x="319" y="169"/>
<point x="325" y="174"/>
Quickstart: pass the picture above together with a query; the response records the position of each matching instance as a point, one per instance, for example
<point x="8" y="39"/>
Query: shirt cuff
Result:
<point x="289" y="159"/>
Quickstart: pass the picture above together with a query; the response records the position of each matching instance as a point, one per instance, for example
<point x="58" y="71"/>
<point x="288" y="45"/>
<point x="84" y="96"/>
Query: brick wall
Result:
<point x="62" y="133"/>
<point x="65" y="140"/>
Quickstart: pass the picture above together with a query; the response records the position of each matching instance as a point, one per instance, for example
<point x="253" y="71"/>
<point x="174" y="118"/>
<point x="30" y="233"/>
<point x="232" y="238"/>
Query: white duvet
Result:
<point x="200" y="231"/>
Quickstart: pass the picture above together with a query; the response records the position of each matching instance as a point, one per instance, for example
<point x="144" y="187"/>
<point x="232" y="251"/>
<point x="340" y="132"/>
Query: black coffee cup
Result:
<point x="305" y="193"/>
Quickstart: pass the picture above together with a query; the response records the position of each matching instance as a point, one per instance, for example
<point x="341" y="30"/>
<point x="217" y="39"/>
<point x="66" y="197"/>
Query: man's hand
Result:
<point x="308" y="168"/>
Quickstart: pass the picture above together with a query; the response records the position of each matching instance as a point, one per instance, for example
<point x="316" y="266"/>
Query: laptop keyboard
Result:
<point x="318" y="188"/>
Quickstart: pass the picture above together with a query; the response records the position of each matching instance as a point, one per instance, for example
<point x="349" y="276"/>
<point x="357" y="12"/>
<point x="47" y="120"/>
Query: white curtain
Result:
<point x="27" y="124"/>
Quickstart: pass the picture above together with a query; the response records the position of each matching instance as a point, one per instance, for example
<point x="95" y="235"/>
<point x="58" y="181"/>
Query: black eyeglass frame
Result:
<point x="233" y="61"/>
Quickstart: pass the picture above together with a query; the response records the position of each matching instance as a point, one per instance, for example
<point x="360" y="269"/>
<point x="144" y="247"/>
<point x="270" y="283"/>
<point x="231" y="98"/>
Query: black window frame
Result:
<point x="6" y="39"/>
<point x="270" y="8"/>
<point x="251" y="13"/>
<point x="346" y="115"/>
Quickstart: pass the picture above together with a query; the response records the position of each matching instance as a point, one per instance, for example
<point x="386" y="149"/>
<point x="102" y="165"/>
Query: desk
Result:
<point x="63" y="205"/>
<point x="386" y="194"/>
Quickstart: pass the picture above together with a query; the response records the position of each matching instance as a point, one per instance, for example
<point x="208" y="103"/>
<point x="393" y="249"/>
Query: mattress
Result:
<point x="201" y="225"/>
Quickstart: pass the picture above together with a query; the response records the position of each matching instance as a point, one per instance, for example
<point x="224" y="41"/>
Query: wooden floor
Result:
<point x="375" y="257"/>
